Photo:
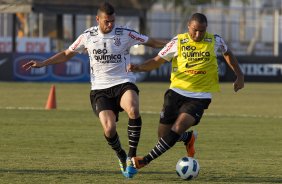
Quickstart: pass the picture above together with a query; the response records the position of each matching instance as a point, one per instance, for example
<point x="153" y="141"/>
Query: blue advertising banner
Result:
<point x="255" y="69"/>
<point x="6" y="67"/>
<point x="74" y="70"/>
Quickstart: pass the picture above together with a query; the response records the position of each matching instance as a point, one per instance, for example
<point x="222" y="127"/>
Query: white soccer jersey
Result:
<point x="170" y="51"/>
<point x="108" y="54"/>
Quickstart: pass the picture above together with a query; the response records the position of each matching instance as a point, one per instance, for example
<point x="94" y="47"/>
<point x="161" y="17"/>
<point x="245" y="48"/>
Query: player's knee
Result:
<point x="109" y="133"/>
<point x="133" y="112"/>
<point x="109" y="130"/>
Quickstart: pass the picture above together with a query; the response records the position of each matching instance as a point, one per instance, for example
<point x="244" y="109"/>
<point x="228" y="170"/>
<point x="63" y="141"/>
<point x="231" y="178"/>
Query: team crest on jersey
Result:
<point x="184" y="40"/>
<point x="117" y="41"/>
<point x="118" y="31"/>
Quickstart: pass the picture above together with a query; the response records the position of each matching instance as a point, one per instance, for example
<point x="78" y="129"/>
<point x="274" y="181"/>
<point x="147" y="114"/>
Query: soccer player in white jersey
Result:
<point x="194" y="76"/>
<point x="112" y="87"/>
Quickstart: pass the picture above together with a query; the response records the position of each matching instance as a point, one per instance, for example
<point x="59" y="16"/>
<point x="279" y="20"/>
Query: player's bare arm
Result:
<point x="56" y="59"/>
<point x="148" y="65"/>
<point x="233" y="64"/>
<point x="155" y="43"/>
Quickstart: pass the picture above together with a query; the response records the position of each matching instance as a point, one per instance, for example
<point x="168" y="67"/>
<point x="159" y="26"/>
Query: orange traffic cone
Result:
<point x="51" y="102"/>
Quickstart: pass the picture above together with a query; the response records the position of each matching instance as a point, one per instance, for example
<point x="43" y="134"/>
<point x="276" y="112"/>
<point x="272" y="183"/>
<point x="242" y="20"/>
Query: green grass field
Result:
<point x="240" y="137"/>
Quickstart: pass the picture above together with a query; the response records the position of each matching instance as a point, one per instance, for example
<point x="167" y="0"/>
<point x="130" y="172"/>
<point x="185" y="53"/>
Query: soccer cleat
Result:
<point x="130" y="169"/>
<point x="190" y="145"/>
<point x="122" y="166"/>
<point x="138" y="162"/>
<point x="122" y="161"/>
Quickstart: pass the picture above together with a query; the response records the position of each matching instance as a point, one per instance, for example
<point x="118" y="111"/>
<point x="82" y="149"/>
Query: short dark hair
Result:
<point x="107" y="8"/>
<point x="199" y="17"/>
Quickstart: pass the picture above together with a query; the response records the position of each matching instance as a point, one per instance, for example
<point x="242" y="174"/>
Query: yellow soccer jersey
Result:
<point x="194" y="64"/>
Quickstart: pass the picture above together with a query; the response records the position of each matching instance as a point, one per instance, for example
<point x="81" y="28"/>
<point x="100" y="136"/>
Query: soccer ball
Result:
<point x="187" y="168"/>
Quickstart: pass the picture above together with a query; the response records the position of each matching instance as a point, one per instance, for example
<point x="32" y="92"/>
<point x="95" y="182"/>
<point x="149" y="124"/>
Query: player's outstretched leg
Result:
<point x="164" y="144"/>
<point x="139" y="162"/>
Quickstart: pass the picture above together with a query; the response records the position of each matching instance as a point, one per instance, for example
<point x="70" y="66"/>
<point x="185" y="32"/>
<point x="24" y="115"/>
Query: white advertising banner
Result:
<point x="26" y="44"/>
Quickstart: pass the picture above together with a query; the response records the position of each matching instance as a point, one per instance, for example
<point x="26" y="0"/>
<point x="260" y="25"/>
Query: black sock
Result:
<point x="134" y="132"/>
<point x="164" y="144"/>
<point x="185" y="137"/>
<point x="115" y="145"/>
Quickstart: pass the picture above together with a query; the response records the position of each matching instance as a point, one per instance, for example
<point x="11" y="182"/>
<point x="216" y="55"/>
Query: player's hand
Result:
<point x="32" y="64"/>
<point x="238" y="84"/>
<point x="132" y="68"/>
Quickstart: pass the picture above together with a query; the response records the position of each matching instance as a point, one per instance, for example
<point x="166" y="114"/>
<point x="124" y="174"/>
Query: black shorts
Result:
<point x="109" y="99"/>
<point x="174" y="104"/>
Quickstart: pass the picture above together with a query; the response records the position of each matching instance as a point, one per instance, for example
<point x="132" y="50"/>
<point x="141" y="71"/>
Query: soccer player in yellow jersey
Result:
<point x="194" y="76"/>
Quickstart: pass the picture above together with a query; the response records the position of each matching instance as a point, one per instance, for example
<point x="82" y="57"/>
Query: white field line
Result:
<point x="21" y="108"/>
<point x="225" y="115"/>
<point x="154" y="112"/>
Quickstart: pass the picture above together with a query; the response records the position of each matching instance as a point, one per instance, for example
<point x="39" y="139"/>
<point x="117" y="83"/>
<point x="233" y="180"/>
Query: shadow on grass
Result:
<point x="59" y="171"/>
<point x="243" y="179"/>
<point x="64" y="171"/>
<point x="237" y="179"/>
